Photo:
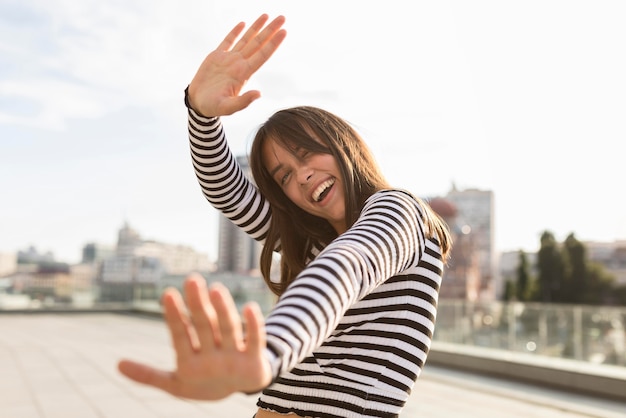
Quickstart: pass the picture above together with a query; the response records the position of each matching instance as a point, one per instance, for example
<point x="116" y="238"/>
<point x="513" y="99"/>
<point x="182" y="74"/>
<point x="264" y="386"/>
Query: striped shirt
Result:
<point x="350" y="336"/>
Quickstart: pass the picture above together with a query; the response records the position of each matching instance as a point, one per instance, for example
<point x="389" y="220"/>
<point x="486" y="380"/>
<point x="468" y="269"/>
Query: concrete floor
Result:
<point x="64" y="366"/>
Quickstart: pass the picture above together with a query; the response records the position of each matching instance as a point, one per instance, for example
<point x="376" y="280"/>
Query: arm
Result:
<point x="216" y="90"/>
<point x="214" y="359"/>
<point x="222" y="179"/>
<point x="387" y="239"/>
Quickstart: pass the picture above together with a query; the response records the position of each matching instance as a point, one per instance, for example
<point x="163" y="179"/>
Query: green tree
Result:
<point x="523" y="283"/>
<point x="601" y="286"/>
<point x="566" y="276"/>
<point x="550" y="269"/>
<point x="577" y="273"/>
<point x="619" y="293"/>
<point x="509" y="291"/>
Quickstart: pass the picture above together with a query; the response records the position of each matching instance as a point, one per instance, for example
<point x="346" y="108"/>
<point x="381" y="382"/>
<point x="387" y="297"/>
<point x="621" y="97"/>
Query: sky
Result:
<point x="526" y="99"/>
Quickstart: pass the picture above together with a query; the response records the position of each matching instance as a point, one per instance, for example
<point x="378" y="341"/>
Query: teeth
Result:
<point x="322" y="188"/>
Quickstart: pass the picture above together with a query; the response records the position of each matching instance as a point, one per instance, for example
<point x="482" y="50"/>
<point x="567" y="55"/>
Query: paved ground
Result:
<point x="64" y="366"/>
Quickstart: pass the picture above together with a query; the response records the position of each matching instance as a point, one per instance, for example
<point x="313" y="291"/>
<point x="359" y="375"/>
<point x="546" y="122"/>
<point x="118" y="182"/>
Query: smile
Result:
<point x="322" y="190"/>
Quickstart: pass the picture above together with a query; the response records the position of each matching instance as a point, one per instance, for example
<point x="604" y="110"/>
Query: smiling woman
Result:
<point x="361" y="261"/>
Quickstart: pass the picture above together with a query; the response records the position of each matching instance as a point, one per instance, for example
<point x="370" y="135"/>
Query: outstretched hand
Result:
<point x="213" y="357"/>
<point x="216" y="87"/>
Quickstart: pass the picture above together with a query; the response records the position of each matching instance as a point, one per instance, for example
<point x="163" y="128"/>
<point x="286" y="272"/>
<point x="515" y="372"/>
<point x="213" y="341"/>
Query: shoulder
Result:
<point x="396" y="206"/>
<point x="394" y="197"/>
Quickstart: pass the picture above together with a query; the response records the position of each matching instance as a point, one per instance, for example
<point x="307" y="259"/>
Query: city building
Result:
<point x="32" y="256"/>
<point x="612" y="255"/>
<point x="140" y="269"/>
<point x="238" y="252"/>
<point x="49" y="282"/>
<point x="8" y="263"/>
<point x="94" y="253"/>
<point x="461" y="276"/>
<point x="476" y="212"/>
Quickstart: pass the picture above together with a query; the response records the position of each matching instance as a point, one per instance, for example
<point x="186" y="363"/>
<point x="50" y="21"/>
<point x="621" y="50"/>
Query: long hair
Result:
<point x="297" y="231"/>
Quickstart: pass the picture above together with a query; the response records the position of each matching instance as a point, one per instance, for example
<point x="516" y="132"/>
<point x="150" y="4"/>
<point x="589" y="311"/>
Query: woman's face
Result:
<point x="310" y="180"/>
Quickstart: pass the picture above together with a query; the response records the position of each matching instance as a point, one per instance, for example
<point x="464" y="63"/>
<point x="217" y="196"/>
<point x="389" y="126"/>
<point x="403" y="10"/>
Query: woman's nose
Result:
<point x="304" y="174"/>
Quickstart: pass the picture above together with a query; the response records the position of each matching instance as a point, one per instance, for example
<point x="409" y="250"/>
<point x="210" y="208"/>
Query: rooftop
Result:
<point x="64" y="365"/>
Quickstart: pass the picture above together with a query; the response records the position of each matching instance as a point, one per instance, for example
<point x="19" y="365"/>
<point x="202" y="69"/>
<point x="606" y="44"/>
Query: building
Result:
<point x="476" y="212"/>
<point x="238" y="252"/>
<point x="8" y="263"/>
<point x="94" y="253"/>
<point x="612" y="255"/>
<point x="49" y="282"/>
<point x="140" y="269"/>
<point x="461" y="276"/>
<point x="32" y="256"/>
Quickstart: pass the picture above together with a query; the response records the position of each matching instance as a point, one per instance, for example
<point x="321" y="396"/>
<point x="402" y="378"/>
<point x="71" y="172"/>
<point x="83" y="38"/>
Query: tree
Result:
<point x="509" y="291"/>
<point x="550" y="267"/>
<point x="601" y="285"/>
<point x="566" y="276"/>
<point x="523" y="284"/>
<point x="577" y="274"/>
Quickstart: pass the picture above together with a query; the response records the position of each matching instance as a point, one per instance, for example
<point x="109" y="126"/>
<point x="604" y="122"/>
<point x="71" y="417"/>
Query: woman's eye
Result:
<point x="284" y="178"/>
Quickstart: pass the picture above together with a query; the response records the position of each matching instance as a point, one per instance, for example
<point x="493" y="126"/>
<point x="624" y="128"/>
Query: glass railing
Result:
<point x="593" y="334"/>
<point x="60" y="295"/>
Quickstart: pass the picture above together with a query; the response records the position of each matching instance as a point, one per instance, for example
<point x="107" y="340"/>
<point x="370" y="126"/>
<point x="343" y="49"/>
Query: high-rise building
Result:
<point x="476" y="210"/>
<point x="461" y="276"/>
<point x="237" y="252"/>
<point x="94" y="253"/>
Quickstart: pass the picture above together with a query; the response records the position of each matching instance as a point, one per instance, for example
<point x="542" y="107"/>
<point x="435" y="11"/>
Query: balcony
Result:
<point x="487" y="360"/>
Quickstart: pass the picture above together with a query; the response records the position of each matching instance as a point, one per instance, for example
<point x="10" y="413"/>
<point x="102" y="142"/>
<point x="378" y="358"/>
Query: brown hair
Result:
<point x="298" y="231"/>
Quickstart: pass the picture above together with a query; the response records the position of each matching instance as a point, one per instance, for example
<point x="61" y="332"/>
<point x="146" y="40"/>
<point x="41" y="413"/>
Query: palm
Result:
<point x="213" y="357"/>
<point x="221" y="78"/>
<point x="216" y="88"/>
<point x="198" y="386"/>
<point x="219" y="375"/>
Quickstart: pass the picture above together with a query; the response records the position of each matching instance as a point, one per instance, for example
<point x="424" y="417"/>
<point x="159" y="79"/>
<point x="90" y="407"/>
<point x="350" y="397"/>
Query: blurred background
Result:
<point x="505" y="116"/>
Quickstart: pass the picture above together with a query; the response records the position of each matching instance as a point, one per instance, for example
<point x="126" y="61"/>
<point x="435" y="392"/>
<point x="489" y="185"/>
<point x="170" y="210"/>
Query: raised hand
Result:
<point x="216" y="88"/>
<point x="213" y="358"/>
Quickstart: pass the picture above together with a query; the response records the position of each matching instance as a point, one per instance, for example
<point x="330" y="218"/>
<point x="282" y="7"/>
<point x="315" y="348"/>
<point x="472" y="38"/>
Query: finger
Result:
<point x="232" y="36"/>
<point x="260" y="56"/>
<point x="251" y="33"/>
<point x="183" y="335"/>
<point x="254" y="41"/>
<point x="228" y="317"/>
<point x="257" y="42"/>
<point x="255" y="328"/>
<point x="202" y="313"/>
<point x="147" y="375"/>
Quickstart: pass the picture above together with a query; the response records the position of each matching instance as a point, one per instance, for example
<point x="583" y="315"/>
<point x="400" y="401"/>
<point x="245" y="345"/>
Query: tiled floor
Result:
<point x="64" y="366"/>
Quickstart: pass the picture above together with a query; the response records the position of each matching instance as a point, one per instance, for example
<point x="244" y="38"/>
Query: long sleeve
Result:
<point x="387" y="240"/>
<point x="222" y="179"/>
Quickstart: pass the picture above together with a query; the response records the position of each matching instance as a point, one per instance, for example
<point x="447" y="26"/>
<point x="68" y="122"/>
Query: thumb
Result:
<point x="241" y="102"/>
<point x="147" y="375"/>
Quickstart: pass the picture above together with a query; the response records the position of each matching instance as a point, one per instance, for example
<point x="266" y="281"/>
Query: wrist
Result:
<point x="189" y="104"/>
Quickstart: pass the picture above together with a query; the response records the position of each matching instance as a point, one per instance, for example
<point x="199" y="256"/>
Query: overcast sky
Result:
<point x="527" y="99"/>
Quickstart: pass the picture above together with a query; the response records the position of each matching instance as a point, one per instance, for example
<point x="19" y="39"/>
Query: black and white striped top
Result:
<point x="351" y="334"/>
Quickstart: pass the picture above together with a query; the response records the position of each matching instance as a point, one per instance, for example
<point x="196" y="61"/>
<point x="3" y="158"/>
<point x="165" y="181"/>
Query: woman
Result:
<point x="361" y="262"/>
